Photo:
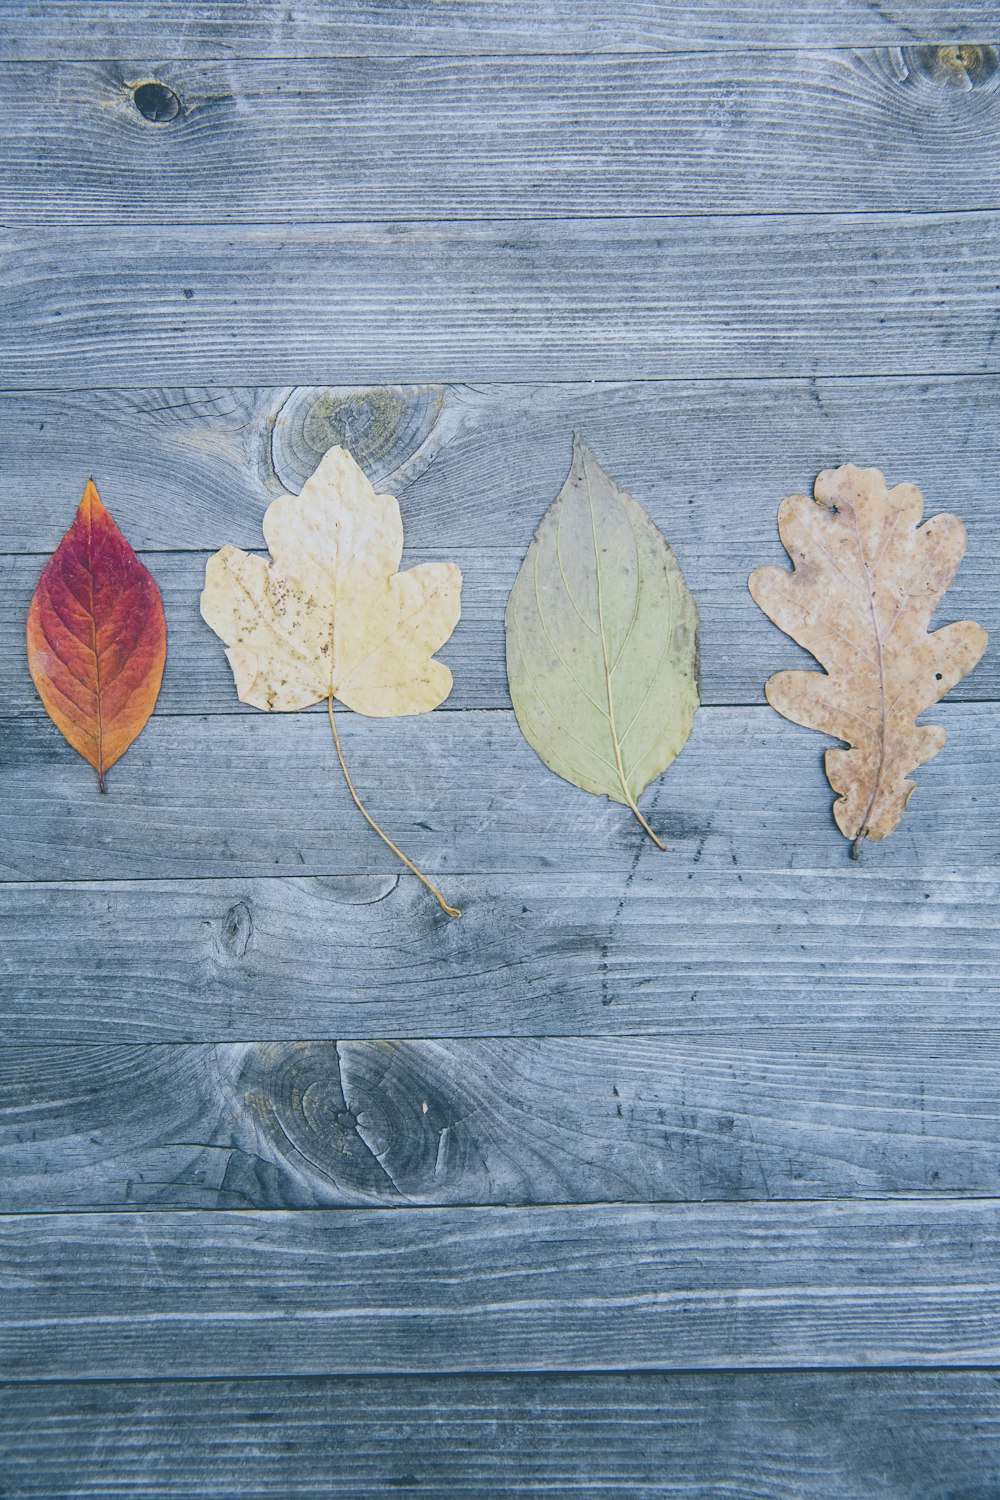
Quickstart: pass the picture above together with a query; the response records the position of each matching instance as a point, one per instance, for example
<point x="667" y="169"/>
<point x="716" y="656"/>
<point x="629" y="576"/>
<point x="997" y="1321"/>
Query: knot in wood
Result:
<point x="962" y="65"/>
<point x="237" y="927"/>
<point x="156" y="103"/>
<point x="382" y="427"/>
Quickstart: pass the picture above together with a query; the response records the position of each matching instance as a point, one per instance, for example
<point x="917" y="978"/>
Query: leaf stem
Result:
<point x="612" y="723"/>
<point x="451" y="910"/>
<point x="659" y="844"/>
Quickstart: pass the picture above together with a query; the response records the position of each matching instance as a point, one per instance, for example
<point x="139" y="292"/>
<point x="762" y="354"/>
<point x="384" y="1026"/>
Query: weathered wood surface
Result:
<point x="911" y="1282"/>
<point x="715" y="132"/>
<point x="888" y="293"/>
<point x="476" y="466"/>
<point x="262" y="794"/>
<point x="739" y="646"/>
<point x="608" y="1031"/>
<point x="858" y="1435"/>
<point x="791" y="1115"/>
<point x="359" y="28"/>
<point x="187" y="468"/>
<point x="680" y="946"/>
<point x="198" y="468"/>
<point x="198" y="678"/>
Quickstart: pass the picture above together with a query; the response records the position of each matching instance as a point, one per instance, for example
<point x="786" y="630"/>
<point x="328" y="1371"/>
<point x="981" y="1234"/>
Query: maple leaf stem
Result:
<point x="101" y="783"/>
<point x="451" y="910"/>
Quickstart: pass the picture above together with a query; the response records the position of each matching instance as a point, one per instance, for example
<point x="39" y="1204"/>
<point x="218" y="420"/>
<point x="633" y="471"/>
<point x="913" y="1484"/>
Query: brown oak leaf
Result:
<point x="866" y="580"/>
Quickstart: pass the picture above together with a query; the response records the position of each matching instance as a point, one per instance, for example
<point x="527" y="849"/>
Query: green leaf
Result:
<point x="602" y="640"/>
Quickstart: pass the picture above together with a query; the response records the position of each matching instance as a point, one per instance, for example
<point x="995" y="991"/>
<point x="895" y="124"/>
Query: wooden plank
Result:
<point x="858" y="1435"/>
<point x="361" y="28"/>
<point x="452" y="1122"/>
<point x="463" y="794"/>
<point x="593" y="299"/>
<point x="476" y="466"/>
<point x="739" y="647"/>
<point x="185" y="468"/>
<point x="517" y="138"/>
<point x="680" y="947"/>
<point x="178" y="468"/>
<point x="198" y="678"/>
<point x="909" y="1282"/>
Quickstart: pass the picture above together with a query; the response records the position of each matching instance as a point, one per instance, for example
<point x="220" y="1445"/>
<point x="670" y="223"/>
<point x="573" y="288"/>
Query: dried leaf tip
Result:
<point x="91" y="501"/>
<point x="866" y="579"/>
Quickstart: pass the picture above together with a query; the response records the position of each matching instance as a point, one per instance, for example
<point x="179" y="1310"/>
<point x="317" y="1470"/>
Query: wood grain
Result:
<point x="739" y="648"/>
<point x="892" y="293"/>
<point x="359" y="28"/>
<point x="686" y="947"/>
<point x="477" y="466"/>
<point x="350" y="1291"/>
<point x="857" y="1435"/>
<point x="464" y="794"/>
<point x="448" y="138"/>
<point x="451" y="1122"/>
<point x="189" y="468"/>
<point x="733" y="245"/>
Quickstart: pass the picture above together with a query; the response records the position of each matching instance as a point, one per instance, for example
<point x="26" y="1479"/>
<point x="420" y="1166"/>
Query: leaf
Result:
<point x="97" y="638"/>
<point x="331" y="617"/>
<point x="602" y="640"/>
<point x="867" y="577"/>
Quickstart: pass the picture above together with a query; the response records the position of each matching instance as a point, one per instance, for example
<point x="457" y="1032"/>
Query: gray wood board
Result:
<point x="471" y="138"/>
<point x="802" y="246"/>
<point x="739" y="646"/>
<point x="323" y="1124"/>
<point x="463" y="794"/>
<point x="858" y="1435"/>
<point x="477" y="466"/>
<point x="911" y="1282"/>
<point x="476" y="469"/>
<point x="677" y="948"/>
<point x="582" y="299"/>
<point x="358" y="28"/>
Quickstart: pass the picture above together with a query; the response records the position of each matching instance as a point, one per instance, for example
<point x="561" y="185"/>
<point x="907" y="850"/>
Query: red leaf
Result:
<point x="97" y="637"/>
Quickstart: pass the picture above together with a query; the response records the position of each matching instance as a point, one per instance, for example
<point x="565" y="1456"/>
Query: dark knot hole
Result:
<point x="156" y="102"/>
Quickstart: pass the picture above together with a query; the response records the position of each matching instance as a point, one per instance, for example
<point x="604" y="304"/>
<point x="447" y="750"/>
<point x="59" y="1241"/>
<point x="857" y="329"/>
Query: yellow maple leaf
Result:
<point x="331" y="617"/>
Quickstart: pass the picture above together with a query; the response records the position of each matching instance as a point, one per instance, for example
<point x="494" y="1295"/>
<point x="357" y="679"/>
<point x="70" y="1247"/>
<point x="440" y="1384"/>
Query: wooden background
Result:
<point x="655" y="1175"/>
